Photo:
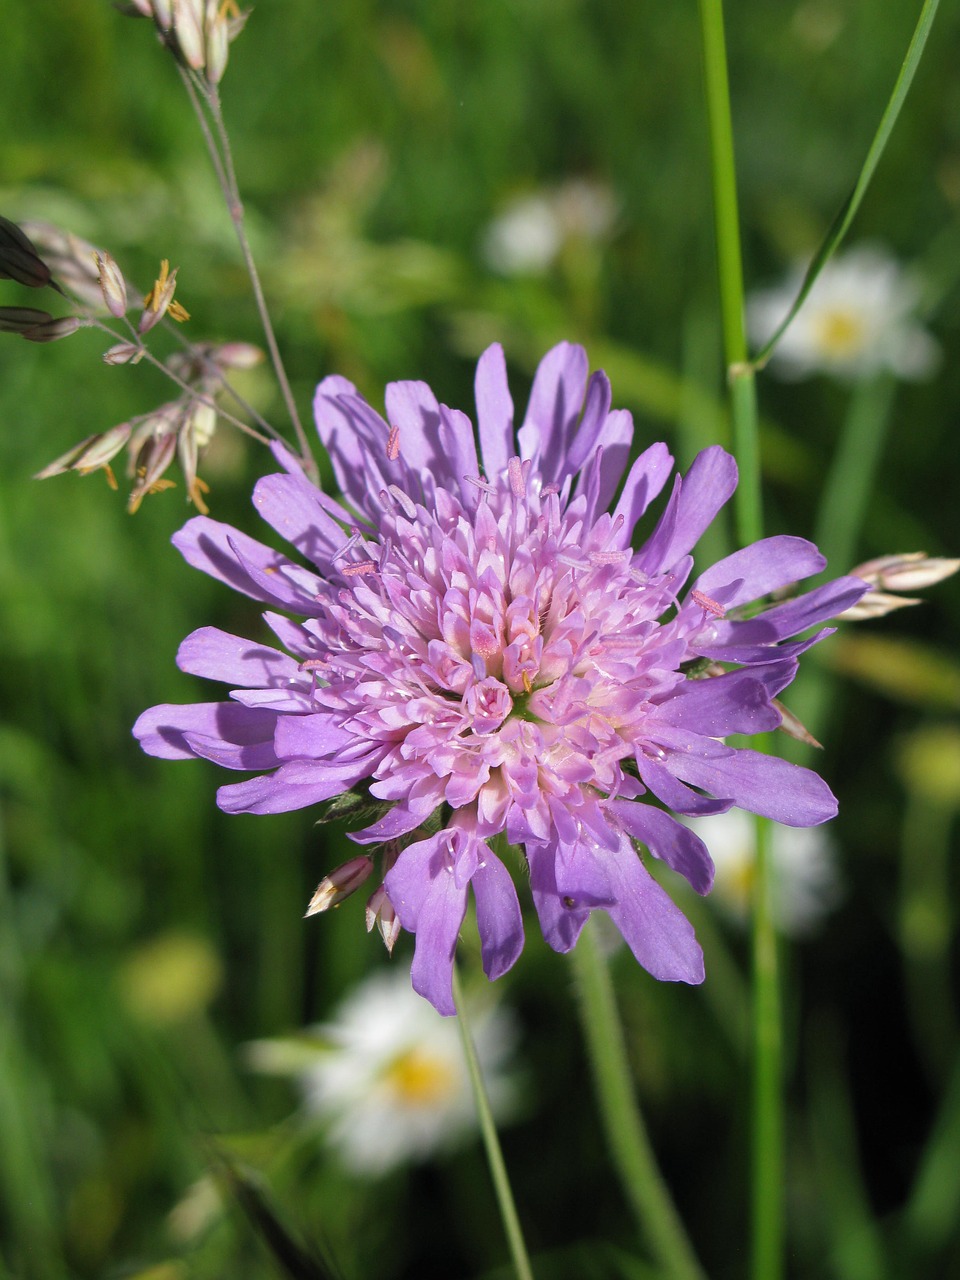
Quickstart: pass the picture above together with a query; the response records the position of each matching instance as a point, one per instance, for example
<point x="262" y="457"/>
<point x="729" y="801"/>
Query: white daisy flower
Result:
<point x="387" y="1075"/>
<point x="856" y="321"/>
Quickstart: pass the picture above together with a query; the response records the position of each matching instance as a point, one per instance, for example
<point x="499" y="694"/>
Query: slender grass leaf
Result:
<point x="841" y="223"/>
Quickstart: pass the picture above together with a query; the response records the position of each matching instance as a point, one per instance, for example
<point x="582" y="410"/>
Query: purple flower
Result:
<point x="477" y="641"/>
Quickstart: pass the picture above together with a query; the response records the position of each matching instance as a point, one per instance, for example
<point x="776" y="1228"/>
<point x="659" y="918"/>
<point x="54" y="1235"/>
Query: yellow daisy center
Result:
<point x="420" y="1079"/>
<point x="839" y="332"/>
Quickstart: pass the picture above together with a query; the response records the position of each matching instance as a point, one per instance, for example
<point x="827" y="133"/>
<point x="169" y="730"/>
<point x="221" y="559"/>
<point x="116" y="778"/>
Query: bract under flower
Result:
<point x="476" y="638"/>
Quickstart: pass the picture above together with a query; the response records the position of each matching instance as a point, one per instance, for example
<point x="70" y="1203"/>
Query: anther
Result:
<point x="705" y="602"/>
<point x="607" y="557"/>
<point x="355" y="570"/>
<point x="393" y="444"/>
<point x="518" y="480"/>
<point x="480" y="483"/>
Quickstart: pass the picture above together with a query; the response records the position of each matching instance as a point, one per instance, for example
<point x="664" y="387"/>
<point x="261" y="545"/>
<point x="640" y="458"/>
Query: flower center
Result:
<point x="840" y="333"/>
<point x="420" y="1079"/>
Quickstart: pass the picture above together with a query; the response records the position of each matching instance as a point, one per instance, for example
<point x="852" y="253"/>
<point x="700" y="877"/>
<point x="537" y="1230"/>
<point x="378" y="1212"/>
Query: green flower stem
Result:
<point x="743" y="392"/>
<point x="767" y="1155"/>
<point x="648" y="1195"/>
<point x="767" y="1137"/>
<point x="498" y="1170"/>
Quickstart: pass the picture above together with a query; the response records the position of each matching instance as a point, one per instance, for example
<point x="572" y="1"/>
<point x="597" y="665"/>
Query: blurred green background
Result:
<point x="144" y="937"/>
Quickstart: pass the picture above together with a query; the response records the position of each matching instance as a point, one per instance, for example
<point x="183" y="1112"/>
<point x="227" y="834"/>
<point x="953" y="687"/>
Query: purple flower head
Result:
<point x="478" y="648"/>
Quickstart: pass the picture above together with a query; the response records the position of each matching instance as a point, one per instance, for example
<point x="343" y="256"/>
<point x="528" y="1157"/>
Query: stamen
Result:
<point x="518" y="479"/>
<point x="347" y="546"/>
<point x="614" y="645"/>
<point x="607" y="557"/>
<point x="480" y="483"/>
<point x="393" y="444"/>
<point x="705" y="602"/>
<point x="572" y="561"/>
<point x="404" y="501"/>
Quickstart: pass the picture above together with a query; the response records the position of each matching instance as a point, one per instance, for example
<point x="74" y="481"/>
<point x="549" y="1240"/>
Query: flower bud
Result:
<point x="188" y="28"/>
<point x="50" y="330"/>
<point x="72" y="261"/>
<point x="340" y="884"/>
<point x="20" y="319"/>
<point x="112" y="285"/>
<point x="12" y="237"/>
<point x="124" y="353"/>
<point x="92" y="454"/>
<point x="794" y="727"/>
<point x="909" y="571"/>
<point x="19" y="259"/>
<point x="876" y="604"/>
<point x="237" y="355"/>
<point x="153" y="447"/>
<point x="163" y="14"/>
<point x="36" y="325"/>
<point x="380" y="912"/>
<point x="217" y="43"/>
<point x="194" y="435"/>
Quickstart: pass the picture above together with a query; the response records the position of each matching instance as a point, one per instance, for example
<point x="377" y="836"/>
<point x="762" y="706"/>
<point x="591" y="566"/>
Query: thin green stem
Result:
<point x="214" y="370"/>
<point x="491" y="1142"/>
<point x="767" y="1136"/>
<point x="743" y="393"/>
<point x="217" y="141"/>
<point x="235" y="206"/>
<point x="767" y="1156"/>
<point x="648" y="1195"/>
<point x="199" y="396"/>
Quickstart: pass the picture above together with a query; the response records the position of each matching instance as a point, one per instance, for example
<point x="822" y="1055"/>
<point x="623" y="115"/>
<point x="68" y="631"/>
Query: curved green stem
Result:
<point x="841" y="223"/>
<point x="488" y="1129"/>
<point x="649" y="1197"/>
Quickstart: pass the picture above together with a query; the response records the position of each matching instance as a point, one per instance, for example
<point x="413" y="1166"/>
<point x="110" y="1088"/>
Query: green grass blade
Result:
<point x="841" y="223"/>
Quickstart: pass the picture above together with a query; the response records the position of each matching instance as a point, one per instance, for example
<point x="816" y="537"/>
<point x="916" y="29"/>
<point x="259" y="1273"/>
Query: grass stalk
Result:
<point x="491" y="1142"/>
<point x="647" y="1193"/>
